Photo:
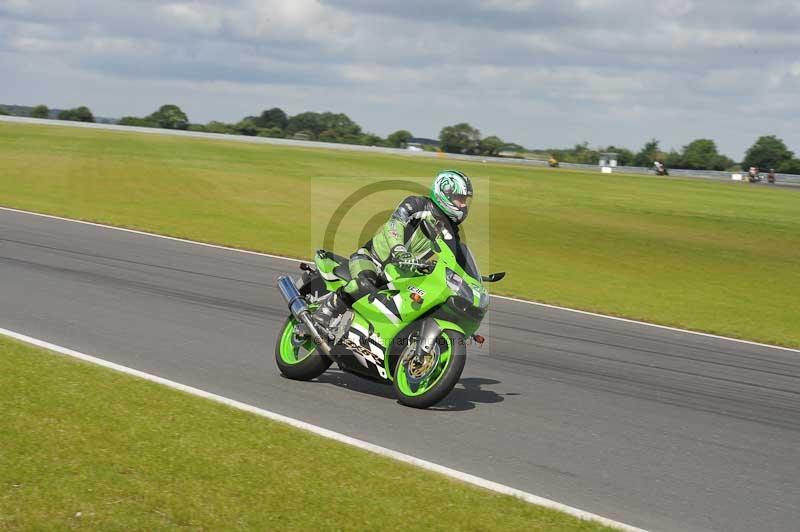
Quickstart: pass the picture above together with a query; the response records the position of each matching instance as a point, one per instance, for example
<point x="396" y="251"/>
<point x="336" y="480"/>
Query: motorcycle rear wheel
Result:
<point x="297" y="357"/>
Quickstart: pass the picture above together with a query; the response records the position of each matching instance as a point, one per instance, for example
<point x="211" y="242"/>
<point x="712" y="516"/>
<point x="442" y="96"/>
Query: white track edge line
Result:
<point x="326" y="433"/>
<point x="508" y="298"/>
<point x="145" y="233"/>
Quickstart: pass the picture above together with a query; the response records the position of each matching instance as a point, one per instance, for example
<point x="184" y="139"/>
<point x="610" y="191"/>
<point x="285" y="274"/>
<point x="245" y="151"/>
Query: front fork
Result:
<point x="428" y="335"/>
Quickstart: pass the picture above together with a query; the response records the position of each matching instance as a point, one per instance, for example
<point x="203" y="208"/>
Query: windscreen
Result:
<point x="467" y="261"/>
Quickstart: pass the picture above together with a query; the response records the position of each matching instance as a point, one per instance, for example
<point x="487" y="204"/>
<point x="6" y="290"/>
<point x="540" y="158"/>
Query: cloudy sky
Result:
<point x="541" y="73"/>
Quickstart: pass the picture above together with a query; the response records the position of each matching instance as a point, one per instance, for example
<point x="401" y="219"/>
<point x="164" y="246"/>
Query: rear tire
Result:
<point x="298" y="361"/>
<point x="436" y="387"/>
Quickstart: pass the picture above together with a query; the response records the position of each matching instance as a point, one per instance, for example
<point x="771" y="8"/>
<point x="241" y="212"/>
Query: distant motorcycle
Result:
<point x="412" y="336"/>
<point x="754" y="175"/>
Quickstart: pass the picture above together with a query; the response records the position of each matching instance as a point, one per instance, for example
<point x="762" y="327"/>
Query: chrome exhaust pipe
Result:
<point x="299" y="309"/>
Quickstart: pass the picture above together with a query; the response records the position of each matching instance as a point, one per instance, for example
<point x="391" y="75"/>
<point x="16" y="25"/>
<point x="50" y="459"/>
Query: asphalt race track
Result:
<point x="660" y="429"/>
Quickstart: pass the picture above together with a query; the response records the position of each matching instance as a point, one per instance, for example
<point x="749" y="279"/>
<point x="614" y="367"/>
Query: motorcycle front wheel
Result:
<point x="421" y="383"/>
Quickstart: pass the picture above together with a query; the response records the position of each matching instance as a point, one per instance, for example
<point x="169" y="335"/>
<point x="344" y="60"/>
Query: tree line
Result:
<point x="324" y="127"/>
<point x="77" y="114"/>
<point x="768" y="152"/>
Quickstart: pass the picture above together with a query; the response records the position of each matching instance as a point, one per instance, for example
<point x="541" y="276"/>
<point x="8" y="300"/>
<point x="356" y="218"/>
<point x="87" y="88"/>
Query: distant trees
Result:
<point x="700" y="154"/>
<point x="271" y="132"/>
<point x="625" y="157"/>
<point x="514" y="147"/>
<point x="673" y="159"/>
<point x="371" y="139"/>
<point x="583" y="154"/>
<point x="649" y="153"/>
<point x="40" y="111"/>
<point x="465" y="139"/>
<point x="272" y="118"/>
<point x="310" y="125"/>
<point x="768" y="152"/>
<point x="247" y="126"/>
<point x="491" y="146"/>
<point x="136" y="121"/>
<point x="580" y="154"/>
<point x="168" y="116"/>
<point x="460" y="138"/>
<point x="217" y="127"/>
<point x="399" y="139"/>
<point x="325" y="126"/>
<point x="790" y="167"/>
<point x="330" y="127"/>
<point x="78" y="114"/>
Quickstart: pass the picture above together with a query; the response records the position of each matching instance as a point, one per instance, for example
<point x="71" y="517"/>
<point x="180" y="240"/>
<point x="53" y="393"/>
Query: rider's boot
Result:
<point x="330" y="311"/>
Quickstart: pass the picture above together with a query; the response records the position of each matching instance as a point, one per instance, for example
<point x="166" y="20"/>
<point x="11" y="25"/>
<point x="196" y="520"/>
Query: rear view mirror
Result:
<point x="493" y="277"/>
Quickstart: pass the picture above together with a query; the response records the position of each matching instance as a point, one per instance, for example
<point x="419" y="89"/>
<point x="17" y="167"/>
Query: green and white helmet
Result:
<point x="452" y="192"/>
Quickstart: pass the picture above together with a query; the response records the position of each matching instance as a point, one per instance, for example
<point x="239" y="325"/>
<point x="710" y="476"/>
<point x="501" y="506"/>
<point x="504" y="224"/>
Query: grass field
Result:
<point x="698" y="254"/>
<point x="133" y="455"/>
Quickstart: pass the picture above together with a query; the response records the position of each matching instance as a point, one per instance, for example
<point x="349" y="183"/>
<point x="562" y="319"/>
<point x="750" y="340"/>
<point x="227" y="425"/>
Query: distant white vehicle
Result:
<point x="414" y="148"/>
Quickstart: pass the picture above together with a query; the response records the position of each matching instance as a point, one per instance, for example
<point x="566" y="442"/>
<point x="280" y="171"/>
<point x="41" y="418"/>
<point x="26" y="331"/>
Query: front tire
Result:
<point x="420" y="385"/>
<point x="297" y="357"/>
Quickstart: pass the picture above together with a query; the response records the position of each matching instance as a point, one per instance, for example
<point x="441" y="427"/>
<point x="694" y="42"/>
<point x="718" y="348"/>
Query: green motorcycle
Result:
<point x="411" y="334"/>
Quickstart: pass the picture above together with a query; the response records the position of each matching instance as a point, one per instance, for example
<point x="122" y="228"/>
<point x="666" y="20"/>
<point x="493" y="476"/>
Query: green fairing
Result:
<point x="325" y="267"/>
<point x="436" y="292"/>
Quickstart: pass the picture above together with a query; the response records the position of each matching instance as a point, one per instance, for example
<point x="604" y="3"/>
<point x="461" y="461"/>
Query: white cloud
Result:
<point x="422" y="64"/>
<point x="191" y="17"/>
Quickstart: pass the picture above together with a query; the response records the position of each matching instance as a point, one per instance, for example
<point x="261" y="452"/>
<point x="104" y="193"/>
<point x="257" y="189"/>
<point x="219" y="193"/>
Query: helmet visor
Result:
<point x="461" y="201"/>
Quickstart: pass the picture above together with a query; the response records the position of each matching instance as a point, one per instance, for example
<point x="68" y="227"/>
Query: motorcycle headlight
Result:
<point x="457" y="285"/>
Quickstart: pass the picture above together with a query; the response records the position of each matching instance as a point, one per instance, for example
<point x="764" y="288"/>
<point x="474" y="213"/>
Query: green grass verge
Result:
<point x="698" y="254"/>
<point x="85" y="447"/>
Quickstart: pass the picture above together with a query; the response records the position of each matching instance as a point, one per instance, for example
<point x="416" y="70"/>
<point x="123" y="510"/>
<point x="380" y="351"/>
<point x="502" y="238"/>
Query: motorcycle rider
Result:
<point x="400" y="241"/>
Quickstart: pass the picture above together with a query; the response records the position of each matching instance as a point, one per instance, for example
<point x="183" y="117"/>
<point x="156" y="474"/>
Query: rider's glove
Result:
<point x="400" y="254"/>
<point x="403" y="258"/>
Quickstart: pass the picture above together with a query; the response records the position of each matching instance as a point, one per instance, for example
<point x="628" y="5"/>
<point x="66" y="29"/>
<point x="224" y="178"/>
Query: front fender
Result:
<point x="449" y="325"/>
<point x="432" y="329"/>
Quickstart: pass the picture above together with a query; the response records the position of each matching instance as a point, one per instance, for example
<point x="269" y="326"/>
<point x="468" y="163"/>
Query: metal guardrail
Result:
<point x="787" y="179"/>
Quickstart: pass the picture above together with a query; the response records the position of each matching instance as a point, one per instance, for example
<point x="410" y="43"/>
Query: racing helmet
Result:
<point x="452" y="193"/>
